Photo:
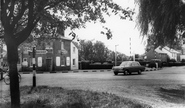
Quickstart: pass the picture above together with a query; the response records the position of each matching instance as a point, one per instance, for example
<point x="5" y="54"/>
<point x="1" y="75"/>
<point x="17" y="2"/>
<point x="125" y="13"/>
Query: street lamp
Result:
<point x="115" y="55"/>
<point x="1" y="57"/>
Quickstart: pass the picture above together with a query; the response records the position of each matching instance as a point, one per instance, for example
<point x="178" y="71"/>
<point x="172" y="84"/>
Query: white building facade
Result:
<point x="74" y="57"/>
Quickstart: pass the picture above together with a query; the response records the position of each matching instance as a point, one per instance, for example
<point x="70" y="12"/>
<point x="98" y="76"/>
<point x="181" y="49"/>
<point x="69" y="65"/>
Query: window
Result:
<point x="62" y="45"/>
<point x="68" y="61"/>
<point x="135" y="64"/>
<point x="73" y="62"/>
<point x="73" y="49"/>
<point x="39" y="60"/>
<point x="63" y="63"/>
<point x="58" y="61"/>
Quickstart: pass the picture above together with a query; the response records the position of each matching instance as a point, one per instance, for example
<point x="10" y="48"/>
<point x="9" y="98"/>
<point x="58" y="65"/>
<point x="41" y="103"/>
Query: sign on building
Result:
<point x="62" y="51"/>
<point x="41" y="51"/>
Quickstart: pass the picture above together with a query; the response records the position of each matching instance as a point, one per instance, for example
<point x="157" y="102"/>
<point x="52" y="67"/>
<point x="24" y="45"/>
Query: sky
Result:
<point x="122" y="31"/>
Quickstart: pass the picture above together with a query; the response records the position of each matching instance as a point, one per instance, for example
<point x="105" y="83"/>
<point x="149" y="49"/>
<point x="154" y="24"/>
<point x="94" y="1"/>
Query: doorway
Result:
<point x="48" y="64"/>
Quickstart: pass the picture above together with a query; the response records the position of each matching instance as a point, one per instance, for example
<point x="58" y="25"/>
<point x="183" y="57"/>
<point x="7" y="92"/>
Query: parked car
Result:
<point x="152" y="63"/>
<point x="128" y="67"/>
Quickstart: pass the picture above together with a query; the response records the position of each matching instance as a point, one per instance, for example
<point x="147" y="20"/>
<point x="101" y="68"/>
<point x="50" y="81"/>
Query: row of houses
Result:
<point x="165" y="54"/>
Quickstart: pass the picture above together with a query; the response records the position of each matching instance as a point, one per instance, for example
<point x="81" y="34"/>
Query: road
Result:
<point x="161" y="89"/>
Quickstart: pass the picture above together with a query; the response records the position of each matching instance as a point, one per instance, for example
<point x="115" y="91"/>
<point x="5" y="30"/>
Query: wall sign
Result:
<point x="41" y="51"/>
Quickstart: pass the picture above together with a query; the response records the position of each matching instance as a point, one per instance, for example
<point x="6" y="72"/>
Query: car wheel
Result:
<point x="126" y="72"/>
<point x="115" y="73"/>
<point x="139" y="72"/>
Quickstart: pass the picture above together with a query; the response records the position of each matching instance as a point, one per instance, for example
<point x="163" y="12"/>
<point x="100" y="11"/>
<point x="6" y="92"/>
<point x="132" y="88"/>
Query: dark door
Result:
<point x="48" y="64"/>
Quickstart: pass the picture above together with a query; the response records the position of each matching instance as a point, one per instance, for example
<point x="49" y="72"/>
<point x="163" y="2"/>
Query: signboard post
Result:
<point x="34" y="70"/>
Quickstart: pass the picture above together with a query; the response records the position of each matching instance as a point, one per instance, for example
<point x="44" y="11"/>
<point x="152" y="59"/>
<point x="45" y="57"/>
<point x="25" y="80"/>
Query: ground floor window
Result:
<point x="57" y="61"/>
<point x="63" y="63"/>
<point x="39" y="61"/>
<point x="68" y="61"/>
<point x="73" y="62"/>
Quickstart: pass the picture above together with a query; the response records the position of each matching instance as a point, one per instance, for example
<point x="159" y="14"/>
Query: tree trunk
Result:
<point x="12" y="56"/>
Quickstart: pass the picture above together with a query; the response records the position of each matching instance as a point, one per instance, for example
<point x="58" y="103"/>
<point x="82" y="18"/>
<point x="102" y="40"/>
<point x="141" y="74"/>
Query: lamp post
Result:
<point x="34" y="63"/>
<point x="34" y="70"/>
<point x="115" y="55"/>
<point x="1" y="58"/>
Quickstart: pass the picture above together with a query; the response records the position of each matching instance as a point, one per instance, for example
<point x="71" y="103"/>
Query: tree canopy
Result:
<point x="164" y="19"/>
<point x="49" y="16"/>
<point x="97" y="52"/>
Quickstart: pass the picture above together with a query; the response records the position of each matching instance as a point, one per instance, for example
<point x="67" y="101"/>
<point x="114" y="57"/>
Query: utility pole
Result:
<point x="54" y="57"/>
<point x="1" y="58"/>
<point x="115" y="55"/>
<point x="130" y="49"/>
<point x="34" y="70"/>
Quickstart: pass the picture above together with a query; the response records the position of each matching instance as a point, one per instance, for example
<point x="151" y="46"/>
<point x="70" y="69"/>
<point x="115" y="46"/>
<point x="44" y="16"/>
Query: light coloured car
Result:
<point x="128" y="67"/>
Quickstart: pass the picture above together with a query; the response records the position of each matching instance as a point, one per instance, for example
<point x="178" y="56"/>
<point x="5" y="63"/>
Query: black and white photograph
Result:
<point x="92" y="53"/>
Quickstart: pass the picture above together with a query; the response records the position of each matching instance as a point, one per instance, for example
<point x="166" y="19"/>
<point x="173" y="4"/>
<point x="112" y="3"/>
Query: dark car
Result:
<point x="128" y="67"/>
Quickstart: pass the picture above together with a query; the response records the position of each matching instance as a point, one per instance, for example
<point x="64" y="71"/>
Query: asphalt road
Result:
<point x="162" y="89"/>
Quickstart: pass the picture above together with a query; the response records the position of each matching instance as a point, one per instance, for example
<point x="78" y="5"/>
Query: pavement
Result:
<point x="86" y="70"/>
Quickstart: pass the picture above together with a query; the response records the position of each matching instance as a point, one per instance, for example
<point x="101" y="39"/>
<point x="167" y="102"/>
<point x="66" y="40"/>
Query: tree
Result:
<point x="86" y="50"/>
<point x="22" y="18"/>
<point x="165" y="19"/>
<point x="152" y="43"/>
<point x="100" y="51"/>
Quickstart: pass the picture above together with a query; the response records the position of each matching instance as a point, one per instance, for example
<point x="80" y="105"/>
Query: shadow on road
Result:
<point x="175" y="95"/>
<point x="133" y="74"/>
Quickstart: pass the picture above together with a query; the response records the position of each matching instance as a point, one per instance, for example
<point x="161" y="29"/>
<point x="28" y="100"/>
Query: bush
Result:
<point x="172" y="60"/>
<point x="176" y="64"/>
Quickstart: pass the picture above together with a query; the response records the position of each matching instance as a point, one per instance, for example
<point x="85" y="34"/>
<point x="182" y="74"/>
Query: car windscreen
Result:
<point x="125" y="64"/>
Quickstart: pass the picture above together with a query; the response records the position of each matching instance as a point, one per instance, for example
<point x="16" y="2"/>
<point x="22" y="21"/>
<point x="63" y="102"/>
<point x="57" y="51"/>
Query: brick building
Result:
<point x="56" y="55"/>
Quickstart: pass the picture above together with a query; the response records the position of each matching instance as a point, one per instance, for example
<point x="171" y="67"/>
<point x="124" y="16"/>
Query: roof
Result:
<point x="158" y="50"/>
<point x="75" y="44"/>
<point x="171" y="50"/>
<point x="65" y="38"/>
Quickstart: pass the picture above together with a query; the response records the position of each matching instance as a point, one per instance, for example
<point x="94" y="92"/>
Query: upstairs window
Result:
<point x="73" y="62"/>
<point x="73" y="49"/>
<point x="62" y="45"/>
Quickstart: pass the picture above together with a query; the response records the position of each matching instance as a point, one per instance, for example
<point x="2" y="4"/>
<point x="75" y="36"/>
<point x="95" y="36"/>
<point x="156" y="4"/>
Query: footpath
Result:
<point x="76" y="71"/>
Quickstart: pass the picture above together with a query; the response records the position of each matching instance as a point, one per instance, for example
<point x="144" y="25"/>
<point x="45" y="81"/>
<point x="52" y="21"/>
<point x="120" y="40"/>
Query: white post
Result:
<point x="156" y="66"/>
<point x="34" y="70"/>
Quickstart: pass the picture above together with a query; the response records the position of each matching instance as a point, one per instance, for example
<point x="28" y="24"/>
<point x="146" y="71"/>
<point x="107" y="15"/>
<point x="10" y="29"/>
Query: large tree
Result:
<point x="164" y="19"/>
<point x="86" y="50"/>
<point x="20" y="18"/>
<point x="100" y="51"/>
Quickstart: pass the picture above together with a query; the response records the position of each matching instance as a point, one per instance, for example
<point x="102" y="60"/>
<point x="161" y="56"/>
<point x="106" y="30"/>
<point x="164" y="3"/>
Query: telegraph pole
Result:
<point x="130" y="49"/>
<point x="1" y="58"/>
<point x="115" y="55"/>
<point x="34" y="70"/>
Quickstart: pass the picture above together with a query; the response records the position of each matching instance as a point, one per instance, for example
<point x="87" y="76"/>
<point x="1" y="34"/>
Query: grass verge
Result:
<point x="57" y="97"/>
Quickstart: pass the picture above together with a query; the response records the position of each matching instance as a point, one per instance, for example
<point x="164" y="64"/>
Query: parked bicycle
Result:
<point x="6" y="77"/>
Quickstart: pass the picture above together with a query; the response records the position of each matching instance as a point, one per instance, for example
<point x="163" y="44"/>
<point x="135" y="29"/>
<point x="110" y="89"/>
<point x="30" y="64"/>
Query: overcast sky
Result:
<point x="122" y="30"/>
